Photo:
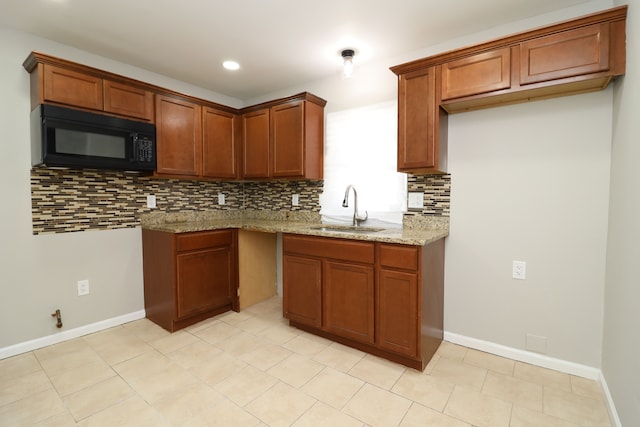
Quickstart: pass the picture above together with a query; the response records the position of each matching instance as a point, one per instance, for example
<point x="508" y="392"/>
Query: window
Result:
<point x="360" y="149"/>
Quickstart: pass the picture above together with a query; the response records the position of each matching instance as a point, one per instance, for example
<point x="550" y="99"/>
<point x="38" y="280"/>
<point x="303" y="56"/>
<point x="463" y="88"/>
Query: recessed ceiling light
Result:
<point x="231" y="65"/>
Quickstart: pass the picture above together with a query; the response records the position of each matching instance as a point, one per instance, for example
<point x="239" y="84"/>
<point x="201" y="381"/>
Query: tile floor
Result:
<point x="252" y="369"/>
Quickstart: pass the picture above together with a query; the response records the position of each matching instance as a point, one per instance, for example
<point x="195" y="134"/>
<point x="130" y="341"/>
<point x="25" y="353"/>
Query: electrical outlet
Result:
<point x="295" y="200"/>
<point x="519" y="270"/>
<point x="415" y="200"/>
<point x="83" y="287"/>
<point x="221" y="200"/>
<point x="151" y="201"/>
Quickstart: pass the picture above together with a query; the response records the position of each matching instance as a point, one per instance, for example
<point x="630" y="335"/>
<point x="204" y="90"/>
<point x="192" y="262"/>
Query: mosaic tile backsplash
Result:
<point x="437" y="193"/>
<point x="67" y="200"/>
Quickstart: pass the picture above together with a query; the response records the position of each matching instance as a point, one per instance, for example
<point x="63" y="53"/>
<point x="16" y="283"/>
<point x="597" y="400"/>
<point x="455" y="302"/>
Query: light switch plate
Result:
<point x="221" y="200"/>
<point x="295" y="200"/>
<point x="151" y="201"/>
<point x="415" y="201"/>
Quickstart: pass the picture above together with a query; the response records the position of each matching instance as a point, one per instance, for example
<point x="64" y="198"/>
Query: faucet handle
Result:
<point x="362" y="219"/>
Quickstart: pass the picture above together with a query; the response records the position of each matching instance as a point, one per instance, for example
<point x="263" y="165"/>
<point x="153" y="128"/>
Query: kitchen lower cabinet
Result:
<point x="382" y="298"/>
<point x="189" y="277"/>
<point x="302" y="291"/>
<point x="348" y="300"/>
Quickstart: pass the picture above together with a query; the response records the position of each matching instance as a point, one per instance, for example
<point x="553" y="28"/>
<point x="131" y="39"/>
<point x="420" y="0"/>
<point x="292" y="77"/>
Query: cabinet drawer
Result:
<point x="394" y="256"/>
<point x="204" y="239"/>
<point x="342" y="249"/>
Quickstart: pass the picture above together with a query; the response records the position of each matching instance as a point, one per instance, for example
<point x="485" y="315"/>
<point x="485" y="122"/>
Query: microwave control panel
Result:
<point x="145" y="149"/>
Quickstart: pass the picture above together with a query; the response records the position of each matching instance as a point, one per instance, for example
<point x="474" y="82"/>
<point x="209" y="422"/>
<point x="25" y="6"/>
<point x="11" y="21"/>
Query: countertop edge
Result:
<point x="404" y="236"/>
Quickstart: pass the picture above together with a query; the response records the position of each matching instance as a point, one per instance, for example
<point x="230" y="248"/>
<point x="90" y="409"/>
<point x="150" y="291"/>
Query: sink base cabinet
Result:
<point x="189" y="277"/>
<point x="385" y="299"/>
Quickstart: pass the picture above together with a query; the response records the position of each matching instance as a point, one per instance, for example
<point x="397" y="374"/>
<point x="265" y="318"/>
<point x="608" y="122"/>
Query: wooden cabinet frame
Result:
<point x="385" y="299"/>
<point x="571" y="57"/>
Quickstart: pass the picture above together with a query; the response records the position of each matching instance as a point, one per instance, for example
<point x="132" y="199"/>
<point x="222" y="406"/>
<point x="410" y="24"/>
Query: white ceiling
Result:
<point x="279" y="43"/>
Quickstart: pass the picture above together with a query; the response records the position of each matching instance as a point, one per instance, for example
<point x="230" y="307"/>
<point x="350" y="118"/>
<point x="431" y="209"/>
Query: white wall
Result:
<point x="621" y="347"/>
<point x="530" y="182"/>
<point x="38" y="274"/>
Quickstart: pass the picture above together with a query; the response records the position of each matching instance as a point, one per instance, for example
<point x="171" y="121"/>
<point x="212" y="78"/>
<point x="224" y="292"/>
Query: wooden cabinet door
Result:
<point x="127" y="100"/>
<point x="204" y="280"/>
<point x="481" y="73"/>
<point x="348" y="303"/>
<point x="302" y="290"/>
<point x="72" y="88"/>
<point x="179" y="136"/>
<point x="571" y="53"/>
<point x="417" y="120"/>
<point x="287" y="140"/>
<point x="397" y="314"/>
<point x="255" y="144"/>
<point x="219" y="144"/>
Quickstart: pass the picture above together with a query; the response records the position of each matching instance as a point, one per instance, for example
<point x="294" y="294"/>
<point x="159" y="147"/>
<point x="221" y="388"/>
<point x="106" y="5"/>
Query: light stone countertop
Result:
<point x="419" y="234"/>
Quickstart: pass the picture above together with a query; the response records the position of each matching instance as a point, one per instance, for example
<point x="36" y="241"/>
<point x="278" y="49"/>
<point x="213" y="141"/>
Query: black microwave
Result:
<point x="79" y="139"/>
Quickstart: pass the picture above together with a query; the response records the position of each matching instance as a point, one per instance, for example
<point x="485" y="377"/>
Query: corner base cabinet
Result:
<point x="382" y="298"/>
<point x="189" y="277"/>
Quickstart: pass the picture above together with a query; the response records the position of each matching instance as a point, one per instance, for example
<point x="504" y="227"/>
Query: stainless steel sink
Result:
<point x="346" y="229"/>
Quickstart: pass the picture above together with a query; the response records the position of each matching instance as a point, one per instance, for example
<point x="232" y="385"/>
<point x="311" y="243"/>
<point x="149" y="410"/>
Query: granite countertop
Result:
<point x="415" y="232"/>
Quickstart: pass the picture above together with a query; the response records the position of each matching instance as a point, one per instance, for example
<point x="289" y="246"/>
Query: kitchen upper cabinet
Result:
<point x="480" y="73"/>
<point x="284" y="138"/>
<point x="126" y="100"/>
<point x="256" y="145"/>
<point x="571" y="53"/>
<point x="55" y="81"/>
<point x="178" y="136"/>
<point x="419" y="122"/>
<point x="195" y="141"/>
<point x="220" y="140"/>
<point x="570" y="57"/>
<point x="189" y="277"/>
<point x="72" y="88"/>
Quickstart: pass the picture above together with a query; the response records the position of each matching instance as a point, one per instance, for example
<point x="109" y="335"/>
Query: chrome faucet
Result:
<point x="357" y="219"/>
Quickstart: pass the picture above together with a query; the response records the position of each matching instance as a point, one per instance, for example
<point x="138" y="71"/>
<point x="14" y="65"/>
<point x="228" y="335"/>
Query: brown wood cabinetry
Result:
<point x="196" y="139"/>
<point x="189" y="277"/>
<point x="256" y="146"/>
<point x="220" y="140"/>
<point x="126" y="100"/>
<point x="75" y="86"/>
<point x="419" y="122"/>
<point x="382" y="298"/>
<point x="480" y="73"/>
<point x="348" y="300"/>
<point x="179" y="136"/>
<point x="72" y="88"/>
<point x="284" y="138"/>
<point x="567" y="58"/>
<point x="571" y="53"/>
<point x="302" y="289"/>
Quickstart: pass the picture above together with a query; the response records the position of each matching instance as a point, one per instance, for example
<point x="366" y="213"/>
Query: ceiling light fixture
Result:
<point x="347" y="57"/>
<point x="231" y="65"/>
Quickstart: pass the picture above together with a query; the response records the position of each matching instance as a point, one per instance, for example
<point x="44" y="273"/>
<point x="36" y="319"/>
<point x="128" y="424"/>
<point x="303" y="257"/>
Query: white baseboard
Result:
<point x="543" y="361"/>
<point x="525" y="356"/>
<point x="613" y="414"/>
<point x="37" y="343"/>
